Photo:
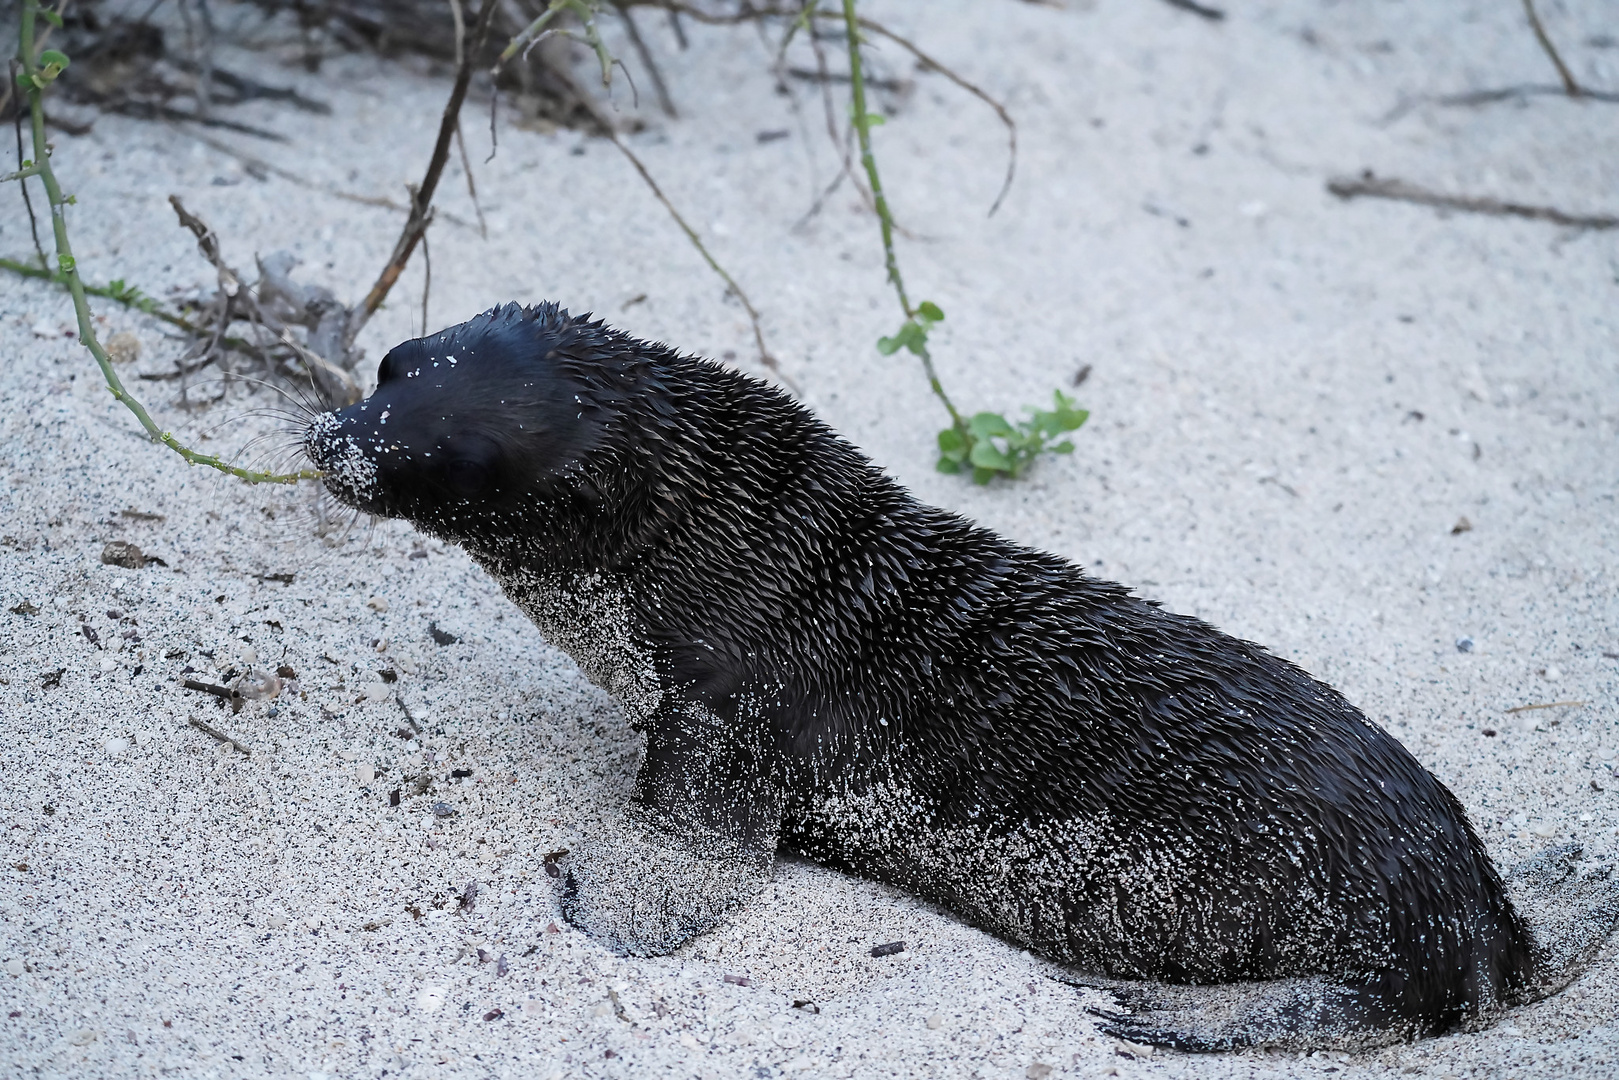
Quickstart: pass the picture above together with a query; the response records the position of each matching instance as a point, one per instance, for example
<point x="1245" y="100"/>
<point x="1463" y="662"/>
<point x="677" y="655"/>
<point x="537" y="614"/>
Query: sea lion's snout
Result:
<point x="346" y="457"/>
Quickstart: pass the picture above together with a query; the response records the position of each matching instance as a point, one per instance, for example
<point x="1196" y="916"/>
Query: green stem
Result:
<point x="81" y="305"/>
<point x="862" y="126"/>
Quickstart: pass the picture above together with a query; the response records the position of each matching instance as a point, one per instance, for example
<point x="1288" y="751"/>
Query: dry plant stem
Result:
<point x="862" y="125"/>
<point x="639" y="44"/>
<point x="1570" y="87"/>
<point x="765" y="358"/>
<point x="1378" y="187"/>
<point x="1000" y="110"/>
<point x="81" y="305"/>
<point x="472" y="186"/>
<point x="422" y="198"/>
<point x="750" y="13"/>
<point x="23" y="174"/>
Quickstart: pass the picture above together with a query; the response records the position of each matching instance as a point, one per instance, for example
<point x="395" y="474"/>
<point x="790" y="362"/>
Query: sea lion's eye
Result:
<point x="467" y="477"/>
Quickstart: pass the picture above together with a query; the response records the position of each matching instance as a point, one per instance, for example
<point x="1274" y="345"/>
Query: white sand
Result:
<point x="1256" y="457"/>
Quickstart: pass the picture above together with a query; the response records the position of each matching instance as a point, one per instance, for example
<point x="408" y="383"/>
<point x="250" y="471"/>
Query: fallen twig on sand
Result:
<point x="209" y="729"/>
<point x="1547" y="705"/>
<point x="713" y="264"/>
<point x="1571" y="87"/>
<point x="1377" y="187"/>
<point x="1213" y="14"/>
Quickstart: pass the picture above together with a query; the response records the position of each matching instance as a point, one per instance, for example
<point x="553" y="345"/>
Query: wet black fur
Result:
<point x="786" y="584"/>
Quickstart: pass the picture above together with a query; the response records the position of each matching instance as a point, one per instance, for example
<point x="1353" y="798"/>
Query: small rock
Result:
<point x="14" y="966"/>
<point x="123" y="553"/>
<point x="1134" y="1049"/>
<point x="1552" y="674"/>
<point x="377" y="604"/>
<point x="365" y="773"/>
<point x="115" y="746"/>
<point x="494" y="1014"/>
<point x="935" y="1022"/>
<point x="377" y="691"/>
<point x="429" y="999"/>
<point x="1038" y="1071"/>
<point x="123" y="347"/>
<point x="533" y="1008"/>
<point x="1464" y="644"/>
<point x="443" y="810"/>
<point x="275" y="922"/>
<point x="82" y="1036"/>
<point x="893" y="948"/>
<point x="604" y="1008"/>
<point x="1462" y="525"/>
<point x="1543" y="828"/>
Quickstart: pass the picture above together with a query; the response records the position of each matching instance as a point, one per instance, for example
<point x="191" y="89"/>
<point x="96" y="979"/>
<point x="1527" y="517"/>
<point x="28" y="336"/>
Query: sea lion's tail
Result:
<point x="1571" y="910"/>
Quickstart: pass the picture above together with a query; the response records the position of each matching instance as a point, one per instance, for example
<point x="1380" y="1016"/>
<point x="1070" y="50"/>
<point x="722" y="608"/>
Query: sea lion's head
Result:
<point x="469" y="431"/>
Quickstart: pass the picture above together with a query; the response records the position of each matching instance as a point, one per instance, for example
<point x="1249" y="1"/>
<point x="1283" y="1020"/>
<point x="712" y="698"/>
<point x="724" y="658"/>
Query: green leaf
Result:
<point x="1064" y="447"/>
<point x="66" y="263"/>
<point x="888" y="346"/>
<point x="51" y="17"/>
<point x="988" y="425"/>
<point x="875" y="120"/>
<point x="53" y="58"/>
<point x="951" y="442"/>
<point x="947" y="465"/>
<point x="983" y="476"/>
<point x="985" y="456"/>
<point x="929" y="311"/>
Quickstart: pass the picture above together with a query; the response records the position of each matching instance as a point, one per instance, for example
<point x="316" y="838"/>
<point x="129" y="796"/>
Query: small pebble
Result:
<point x="893" y="948"/>
<point x="935" y="1022"/>
<point x="114" y="747"/>
<point x="14" y="966"/>
<point x="1553" y="674"/>
<point x="1464" y="644"/>
<point x="1038" y="1071"/>
<point x="83" y="1036"/>
<point x="443" y="810"/>
<point x="365" y="773"/>
<point x="123" y="347"/>
<point x="377" y="691"/>
<point x="377" y="604"/>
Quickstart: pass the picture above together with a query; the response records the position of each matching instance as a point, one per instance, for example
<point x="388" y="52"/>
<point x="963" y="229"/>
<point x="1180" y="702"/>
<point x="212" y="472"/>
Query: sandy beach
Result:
<point x="1380" y="439"/>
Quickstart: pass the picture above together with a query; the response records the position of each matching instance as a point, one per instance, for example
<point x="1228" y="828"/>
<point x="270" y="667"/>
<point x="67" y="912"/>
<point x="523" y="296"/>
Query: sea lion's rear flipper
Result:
<point x="1293" y="1014"/>
<point x="1571" y="909"/>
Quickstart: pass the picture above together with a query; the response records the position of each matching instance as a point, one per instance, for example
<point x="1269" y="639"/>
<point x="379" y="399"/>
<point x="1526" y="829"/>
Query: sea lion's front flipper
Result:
<point x="697" y="839"/>
<point x="1293" y="1014"/>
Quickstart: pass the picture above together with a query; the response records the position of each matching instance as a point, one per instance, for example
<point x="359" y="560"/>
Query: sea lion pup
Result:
<point x="822" y="663"/>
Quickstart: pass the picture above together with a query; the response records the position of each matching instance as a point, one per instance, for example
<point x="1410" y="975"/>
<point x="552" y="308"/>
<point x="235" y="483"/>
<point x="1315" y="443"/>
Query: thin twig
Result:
<point x="1570" y="87"/>
<point x="1378" y="187"/>
<point x="472" y="187"/>
<point x="209" y="729"/>
<point x="1000" y="110"/>
<point x="1213" y="14"/>
<point x="422" y="197"/>
<point x="22" y="181"/>
<point x="765" y="358"/>
<point x="427" y="279"/>
<point x="1548" y="705"/>
<point x="260" y="164"/>
<point x="664" y="100"/>
<point x="749" y="13"/>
